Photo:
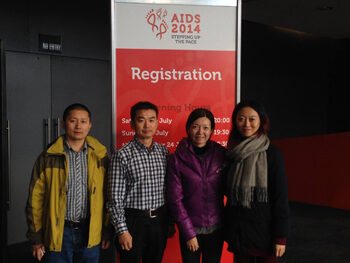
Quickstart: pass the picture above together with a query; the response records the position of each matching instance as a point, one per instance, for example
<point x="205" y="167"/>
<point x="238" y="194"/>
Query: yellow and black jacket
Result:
<point x="46" y="205"/>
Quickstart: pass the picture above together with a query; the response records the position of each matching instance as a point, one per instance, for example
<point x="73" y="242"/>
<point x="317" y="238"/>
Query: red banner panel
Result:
<point x="177" y="81"/>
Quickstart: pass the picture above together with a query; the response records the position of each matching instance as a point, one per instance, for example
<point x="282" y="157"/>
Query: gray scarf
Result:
<point x="247" y="175"/>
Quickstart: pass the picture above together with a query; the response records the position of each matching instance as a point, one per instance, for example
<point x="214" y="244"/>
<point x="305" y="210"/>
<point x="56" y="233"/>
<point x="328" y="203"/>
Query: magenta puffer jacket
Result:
<point x="194" y="187"/>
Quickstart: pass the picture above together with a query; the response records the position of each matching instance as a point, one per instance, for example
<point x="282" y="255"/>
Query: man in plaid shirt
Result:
<point x="136" y="191"/>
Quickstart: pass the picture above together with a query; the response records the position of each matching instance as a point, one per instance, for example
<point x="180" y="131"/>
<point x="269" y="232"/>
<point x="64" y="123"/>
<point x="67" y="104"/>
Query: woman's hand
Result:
<point x="279" y="250"/>
<point x="105" y="244"/>
<point x="192" y="244"/>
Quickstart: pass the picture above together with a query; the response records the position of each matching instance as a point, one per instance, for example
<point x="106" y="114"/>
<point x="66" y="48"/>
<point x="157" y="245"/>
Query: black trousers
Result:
<point x="210" y="246"/>
<point x="149" y="238"/>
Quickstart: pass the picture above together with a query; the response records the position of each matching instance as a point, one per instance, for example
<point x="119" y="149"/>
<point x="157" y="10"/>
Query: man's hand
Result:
<point x="125" y="241"/>
<point x="192" y="244"/>
<point x="279" y="250"/>
<point x="38" y="251"/>
<point x="105" y="244"/>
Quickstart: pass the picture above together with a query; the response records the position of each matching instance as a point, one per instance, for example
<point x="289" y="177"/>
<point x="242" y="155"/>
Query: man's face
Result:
<point x="77" y="125"/>
<point x="145" y="124"/>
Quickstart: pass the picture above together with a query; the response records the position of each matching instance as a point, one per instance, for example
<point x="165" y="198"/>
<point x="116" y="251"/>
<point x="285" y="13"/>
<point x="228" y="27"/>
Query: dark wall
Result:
<point x="84" y="27"/>
<point x="303" y="80"/>
<point x="3" y="163"/>
<point x="84" y="30"/>
<point x="299" y="78"/>
<point x="49" y="82"/>
<point x="317" y="169"/>
<point x="339" y="105"/>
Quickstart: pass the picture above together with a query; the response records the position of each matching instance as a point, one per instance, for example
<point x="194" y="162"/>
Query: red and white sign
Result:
<point x="179" y="57"/>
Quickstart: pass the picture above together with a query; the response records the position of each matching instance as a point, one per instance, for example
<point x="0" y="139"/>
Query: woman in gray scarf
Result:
<point x="257" y="210"/>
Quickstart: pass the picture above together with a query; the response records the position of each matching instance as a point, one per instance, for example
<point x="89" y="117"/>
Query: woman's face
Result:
<point x="247" y="122"/>
<point x="200" y="131"/>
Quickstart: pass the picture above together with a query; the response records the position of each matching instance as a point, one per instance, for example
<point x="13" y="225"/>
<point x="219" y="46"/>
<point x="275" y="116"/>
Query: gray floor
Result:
<point x="318" y="235"/>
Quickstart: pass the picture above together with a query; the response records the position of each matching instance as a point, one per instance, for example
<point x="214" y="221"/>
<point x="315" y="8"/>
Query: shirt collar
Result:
<point x="141" y="146"/>
<point x="67" y="147"/>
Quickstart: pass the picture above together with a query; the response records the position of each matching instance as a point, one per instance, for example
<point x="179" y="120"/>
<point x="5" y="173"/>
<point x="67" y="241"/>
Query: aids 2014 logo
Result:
<point x="157" y="20"/>
<point x="184" y="27"/>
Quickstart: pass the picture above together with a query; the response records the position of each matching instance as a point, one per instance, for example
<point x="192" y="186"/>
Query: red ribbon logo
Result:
<point x="156" y="19"/>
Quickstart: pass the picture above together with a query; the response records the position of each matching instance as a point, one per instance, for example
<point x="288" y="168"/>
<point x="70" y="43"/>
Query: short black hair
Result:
<point x="75" y="106"/>
<point x="199" y="113"/>
<point x="142" y="105"/>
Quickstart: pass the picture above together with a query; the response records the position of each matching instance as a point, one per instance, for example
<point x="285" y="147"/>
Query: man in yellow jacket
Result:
<point x="66" y="205"/>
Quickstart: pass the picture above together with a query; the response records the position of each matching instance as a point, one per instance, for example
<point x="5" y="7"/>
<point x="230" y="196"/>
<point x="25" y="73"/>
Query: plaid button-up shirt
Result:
<point x="136" y="180"/>
<point x="76" y="204"/>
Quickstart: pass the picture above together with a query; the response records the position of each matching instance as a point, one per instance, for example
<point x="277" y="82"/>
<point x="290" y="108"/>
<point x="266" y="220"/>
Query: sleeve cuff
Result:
<point x="188" y="232"/>
<point x="121" y="228"/>
<point x="281" y="241"/>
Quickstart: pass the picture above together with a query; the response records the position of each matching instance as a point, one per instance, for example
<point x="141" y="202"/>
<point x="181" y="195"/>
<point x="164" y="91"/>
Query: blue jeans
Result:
<point x="74" y="247"/>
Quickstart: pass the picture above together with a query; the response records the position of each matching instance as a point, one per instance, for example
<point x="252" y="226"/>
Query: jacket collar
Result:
<point x="92" y="143"/>
<point x="185" y="148"/>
